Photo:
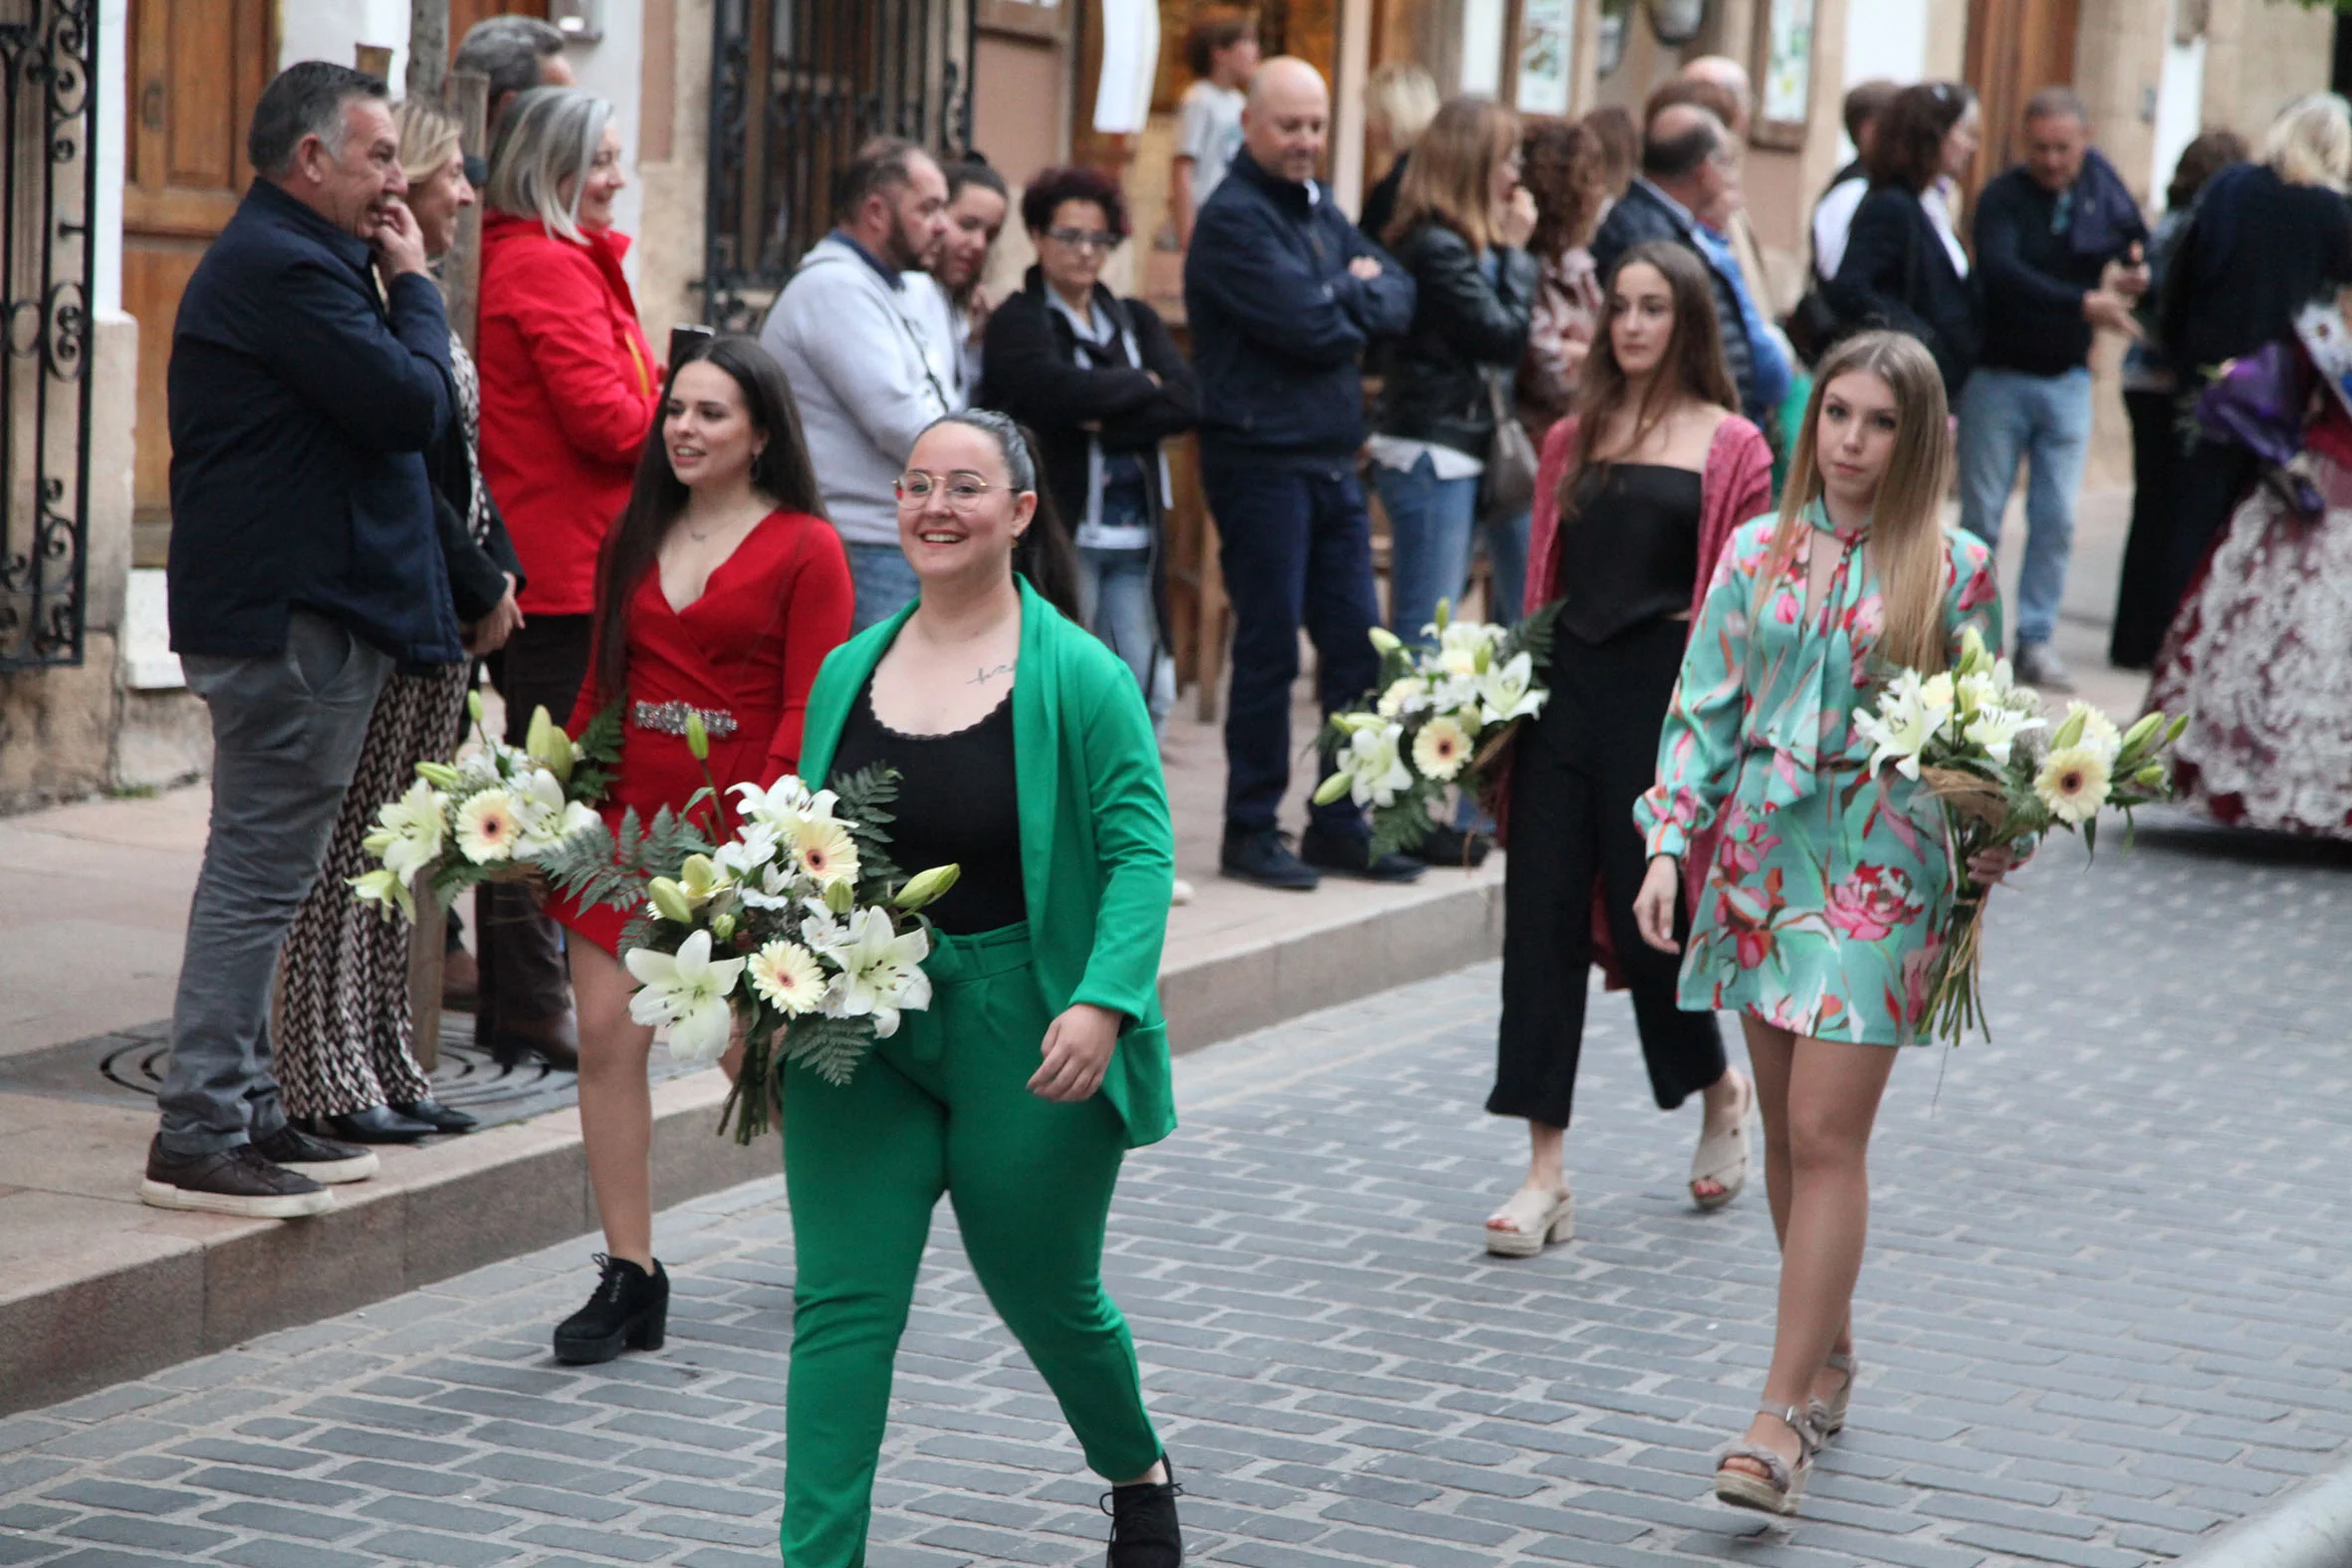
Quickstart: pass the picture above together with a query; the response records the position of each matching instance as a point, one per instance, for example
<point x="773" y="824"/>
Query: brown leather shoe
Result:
<point x="554" y="1041"/>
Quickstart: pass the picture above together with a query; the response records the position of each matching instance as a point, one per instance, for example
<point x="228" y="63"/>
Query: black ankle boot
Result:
<point x="630" y="1308"/>
<point x="1143" y="1532"/>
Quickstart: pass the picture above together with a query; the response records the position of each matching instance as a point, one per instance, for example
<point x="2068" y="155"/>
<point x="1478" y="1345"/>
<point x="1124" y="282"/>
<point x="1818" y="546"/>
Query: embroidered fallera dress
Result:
<point x="1828" y="884"/>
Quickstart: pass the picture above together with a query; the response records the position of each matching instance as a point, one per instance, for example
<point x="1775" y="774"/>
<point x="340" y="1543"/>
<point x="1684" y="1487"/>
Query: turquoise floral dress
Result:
<point x="1826" y="885"/>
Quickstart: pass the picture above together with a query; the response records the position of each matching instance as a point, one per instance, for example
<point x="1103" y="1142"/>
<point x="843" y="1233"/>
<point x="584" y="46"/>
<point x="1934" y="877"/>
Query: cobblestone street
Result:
<point x="2103" y="1313"/>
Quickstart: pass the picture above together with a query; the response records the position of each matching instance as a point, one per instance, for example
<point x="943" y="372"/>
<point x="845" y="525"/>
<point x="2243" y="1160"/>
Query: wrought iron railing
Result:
<point x="47" y="199"/>
<point x="796" y="87"/>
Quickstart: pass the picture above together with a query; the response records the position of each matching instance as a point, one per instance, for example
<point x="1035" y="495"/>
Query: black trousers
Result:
<point x="2140" y="614"/>
<point x="1579" y="769"/>
<point x="521" y="951"/>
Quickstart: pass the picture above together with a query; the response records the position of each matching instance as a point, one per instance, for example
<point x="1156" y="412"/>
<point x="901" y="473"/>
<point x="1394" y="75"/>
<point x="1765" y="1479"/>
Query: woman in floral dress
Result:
<point x="1828" y="882"/>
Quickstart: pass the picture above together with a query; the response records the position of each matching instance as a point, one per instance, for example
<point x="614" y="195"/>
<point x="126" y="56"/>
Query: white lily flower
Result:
<point x="413" y="828"/>
<point x="1904" y="723"/>
<point x="1376" y="772"/>
<point x="1406" y="694"/>
<point x="754" y="845"/>
<point x="785" y="805"/>
<point x="1508" y="691"/>
<point x="882" y="972"/>
<point x="683" y="996"/>
<point x="776" y="888"/>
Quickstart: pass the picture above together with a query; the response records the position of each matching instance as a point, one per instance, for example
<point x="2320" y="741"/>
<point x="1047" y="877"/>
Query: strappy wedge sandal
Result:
<point x="1721" y="1157"/>
<point x="1530" y="1221"/>
<point x="1782" y="1485"/>
<point x="1829" y="1416"/>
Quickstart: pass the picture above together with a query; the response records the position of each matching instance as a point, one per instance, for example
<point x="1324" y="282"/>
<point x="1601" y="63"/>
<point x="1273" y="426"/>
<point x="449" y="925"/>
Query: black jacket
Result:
<point x="1897" y="273"/>
<point x="1641" y="216"/>
<point x="301" y="404"/>
<point x="1434" y="386"/>
<point x="1279" y="323"/>
<point x="2256" y="252"/>
<point x="1380" y="201"/>
<point x="477" y="569"/>
<point x="1029" y="370"/>
<point x="2034" y="280"/>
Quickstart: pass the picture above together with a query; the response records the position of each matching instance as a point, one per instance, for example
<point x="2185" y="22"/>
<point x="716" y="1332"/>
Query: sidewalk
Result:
<point x="93" y="908"/>
<point x="2101" y="1314"/>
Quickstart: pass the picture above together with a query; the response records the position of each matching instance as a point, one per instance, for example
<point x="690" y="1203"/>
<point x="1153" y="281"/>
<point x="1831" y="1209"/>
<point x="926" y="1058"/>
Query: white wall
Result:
<point x="331" y="29"/>
<point x="113" y="63"/>
<point x="1884" y="38"/>
<point x="612" y="71"/>
<point x="2179" y="103"/>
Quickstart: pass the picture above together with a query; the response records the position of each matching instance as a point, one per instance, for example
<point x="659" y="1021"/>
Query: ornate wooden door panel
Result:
<point x="196" y="68"/>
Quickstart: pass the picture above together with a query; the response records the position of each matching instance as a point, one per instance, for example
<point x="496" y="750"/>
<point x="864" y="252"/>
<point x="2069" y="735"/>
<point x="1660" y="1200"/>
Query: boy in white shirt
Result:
<point x="1223" y="52"/>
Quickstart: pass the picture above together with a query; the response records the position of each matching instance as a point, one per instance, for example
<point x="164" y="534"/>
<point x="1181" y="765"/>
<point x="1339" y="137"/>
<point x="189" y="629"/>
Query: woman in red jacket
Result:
<point x="569" y="393"/>
<point x="720" y="592"/>
<point x="1638" y="490"/>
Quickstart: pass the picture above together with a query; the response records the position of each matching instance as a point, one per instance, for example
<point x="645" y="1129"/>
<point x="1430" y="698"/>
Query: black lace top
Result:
<point x="958" y="802"/>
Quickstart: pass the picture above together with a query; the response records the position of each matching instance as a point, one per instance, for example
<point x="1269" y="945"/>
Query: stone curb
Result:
<point x="213" y="1282"/>
<point x="2309" y="1527"/>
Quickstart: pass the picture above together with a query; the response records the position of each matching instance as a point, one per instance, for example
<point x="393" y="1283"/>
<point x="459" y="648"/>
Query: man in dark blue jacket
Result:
<point x="1283" y="294"/>
<point x="303" y="565"/>
<point x="2047" y="231"/>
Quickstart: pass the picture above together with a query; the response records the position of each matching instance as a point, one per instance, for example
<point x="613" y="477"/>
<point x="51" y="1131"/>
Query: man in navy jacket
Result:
<point x="1283" y="294"/>
<point x="303" y="565"/>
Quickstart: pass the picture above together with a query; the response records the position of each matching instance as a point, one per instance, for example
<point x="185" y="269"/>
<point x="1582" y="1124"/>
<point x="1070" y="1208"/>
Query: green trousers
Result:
<point x="943" y="1107"/>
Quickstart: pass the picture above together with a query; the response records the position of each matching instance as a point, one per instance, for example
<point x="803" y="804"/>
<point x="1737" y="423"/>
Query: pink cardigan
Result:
<point x="1734" y="485"/>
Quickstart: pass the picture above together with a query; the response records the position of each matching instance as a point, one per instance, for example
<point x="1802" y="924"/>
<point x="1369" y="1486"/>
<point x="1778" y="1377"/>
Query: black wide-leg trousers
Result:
<point x="1579" y="767"/>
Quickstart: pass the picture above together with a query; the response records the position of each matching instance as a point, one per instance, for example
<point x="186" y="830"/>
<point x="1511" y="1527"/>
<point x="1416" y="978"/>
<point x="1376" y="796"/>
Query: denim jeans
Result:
<point x="287" y="729"/>
<point x="2045" y="420"/>
<point x="1114" y="597"/>
<point x="881" y="582"/>
<point x="1295" y="546"/>
<point x="1433" y="523"/>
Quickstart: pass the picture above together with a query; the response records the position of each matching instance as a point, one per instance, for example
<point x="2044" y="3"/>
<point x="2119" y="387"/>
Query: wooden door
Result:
<point x="196" y="68"/>
<point x="2016" y="49"/>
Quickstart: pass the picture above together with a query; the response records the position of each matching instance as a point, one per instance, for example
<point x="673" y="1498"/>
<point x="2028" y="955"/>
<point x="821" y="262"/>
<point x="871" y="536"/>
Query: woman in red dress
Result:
<point x="719" y="591"/>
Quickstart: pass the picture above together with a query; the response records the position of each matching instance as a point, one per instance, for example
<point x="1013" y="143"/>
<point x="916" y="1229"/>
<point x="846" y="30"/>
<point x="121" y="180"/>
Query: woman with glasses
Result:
<point x="1025" y="757"/>
<point x="719" y="592"/>
<point x="1102" y="384"/>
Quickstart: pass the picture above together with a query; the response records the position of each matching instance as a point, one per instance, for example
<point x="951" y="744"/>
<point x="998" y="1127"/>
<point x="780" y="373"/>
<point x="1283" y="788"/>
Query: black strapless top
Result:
<point x="1629" y="552"/>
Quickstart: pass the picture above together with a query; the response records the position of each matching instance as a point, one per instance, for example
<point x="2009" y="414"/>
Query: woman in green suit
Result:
<point x="1025" y="755"/>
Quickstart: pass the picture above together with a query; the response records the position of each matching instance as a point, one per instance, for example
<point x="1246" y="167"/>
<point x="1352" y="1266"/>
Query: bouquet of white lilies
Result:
<point x="1970" y="735"/>
<point x="495" y="815"/>
<point x="797" y="928"/>
<point x="1442" y="718"/>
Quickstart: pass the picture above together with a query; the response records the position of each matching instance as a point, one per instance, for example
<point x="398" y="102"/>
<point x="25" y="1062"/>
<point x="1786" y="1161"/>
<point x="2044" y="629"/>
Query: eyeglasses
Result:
<point x="915" y="489"/>
<point x="1084" y="239"/>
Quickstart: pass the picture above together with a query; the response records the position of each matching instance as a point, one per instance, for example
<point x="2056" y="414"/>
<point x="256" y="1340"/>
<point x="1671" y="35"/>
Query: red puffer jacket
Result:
<point x="569" y="393"/>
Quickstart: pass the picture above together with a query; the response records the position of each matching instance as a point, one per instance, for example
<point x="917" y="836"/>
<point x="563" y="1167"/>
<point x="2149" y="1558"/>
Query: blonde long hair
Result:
<point x="429" y="133"/>
<point x="2310" y="142"/>
<point x="1906" y="522"/>
<point x="1446" y="180"/>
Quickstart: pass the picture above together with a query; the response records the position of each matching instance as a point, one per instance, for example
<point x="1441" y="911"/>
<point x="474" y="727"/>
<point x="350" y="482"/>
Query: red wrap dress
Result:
<point x="743" y="655"/>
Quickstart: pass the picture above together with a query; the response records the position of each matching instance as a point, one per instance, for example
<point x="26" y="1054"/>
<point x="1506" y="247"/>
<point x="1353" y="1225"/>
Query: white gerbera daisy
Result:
<point x="486" y="827"/>
<point x="788" y="977"/>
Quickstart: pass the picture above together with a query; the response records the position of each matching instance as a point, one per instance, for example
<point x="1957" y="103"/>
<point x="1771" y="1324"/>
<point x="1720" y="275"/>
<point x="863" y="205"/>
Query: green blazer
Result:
<point x="1097" y="849"/>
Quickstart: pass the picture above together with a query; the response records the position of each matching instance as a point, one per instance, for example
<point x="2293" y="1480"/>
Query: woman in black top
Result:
<point x="1102" y="384"/>
<point x="1646" y="479"/>
<point x="1904" y="267"/>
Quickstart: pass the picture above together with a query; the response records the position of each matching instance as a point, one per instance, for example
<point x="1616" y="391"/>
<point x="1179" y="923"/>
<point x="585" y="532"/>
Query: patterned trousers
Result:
<point x="343" y="1030"/>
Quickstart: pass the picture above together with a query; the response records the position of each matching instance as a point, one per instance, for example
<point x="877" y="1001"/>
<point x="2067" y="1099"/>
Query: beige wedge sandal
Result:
<point x="1782" y="1485"/>
<point x="1530" y="1221"/>
<point x="1721" y="1157"/>
<point x="1829" y="1416"/>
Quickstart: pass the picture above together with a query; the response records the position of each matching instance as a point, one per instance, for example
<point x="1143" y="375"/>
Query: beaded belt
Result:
<point x="669" y="717"/>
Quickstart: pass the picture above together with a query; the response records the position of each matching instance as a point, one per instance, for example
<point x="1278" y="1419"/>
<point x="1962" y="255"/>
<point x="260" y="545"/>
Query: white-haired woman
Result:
<point x="343" y="1030"/>
<point x="1400" y="101"/>
<point x="2269" y="238"/>
<point x="569" y="393"/>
